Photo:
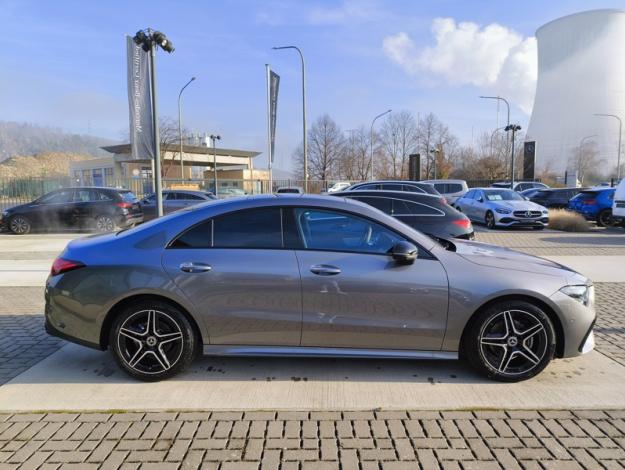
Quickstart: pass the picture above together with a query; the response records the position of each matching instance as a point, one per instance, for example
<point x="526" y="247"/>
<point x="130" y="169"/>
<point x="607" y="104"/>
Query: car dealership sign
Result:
<point x="140" y="102"/>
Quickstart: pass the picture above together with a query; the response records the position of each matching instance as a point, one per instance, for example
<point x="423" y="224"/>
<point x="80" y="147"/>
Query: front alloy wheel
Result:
<point x="19" y="225"/>
<point x="510" y="341"/>
<point x="152" y="342"/>
<point x="490" y="220"/>
<point x="104" y="223"/>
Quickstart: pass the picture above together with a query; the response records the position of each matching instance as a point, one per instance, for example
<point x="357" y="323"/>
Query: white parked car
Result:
<point x="500" y="207"/>
<point x="451" y="189"/>
<point x="339" y="186"/>
<point x="618" y="206"/>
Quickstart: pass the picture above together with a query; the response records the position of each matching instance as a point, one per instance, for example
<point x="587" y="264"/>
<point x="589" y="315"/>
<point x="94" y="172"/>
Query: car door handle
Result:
<point x="190" y="267"/>
<point x="325" y="270"/>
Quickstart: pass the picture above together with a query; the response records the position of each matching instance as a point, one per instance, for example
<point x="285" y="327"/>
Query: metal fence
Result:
<point x="14" y="191"/>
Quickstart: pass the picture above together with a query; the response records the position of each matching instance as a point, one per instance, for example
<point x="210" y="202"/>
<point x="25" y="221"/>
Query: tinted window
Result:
<point x="413" y="189"/>
<point x="469" y="194"/>
<point x="288" y="191"/>
<point x="84" y="195"/>
<point x="384" y="204"/>
<point x="196" y="237"/>
<point x="128" y="196"/>
<point x="367" y="187"/>
<point x="255" y="228"/>
<point x="454" y="188"/>
<point x="189" y="197"/>
<point x="402" y="207"/>
<point x="392" y="186"/>
<point x="57" y="197"/>
<point x="442" y="188"/>
<point x="102" y="196"/>
<point x="337" y="231"/>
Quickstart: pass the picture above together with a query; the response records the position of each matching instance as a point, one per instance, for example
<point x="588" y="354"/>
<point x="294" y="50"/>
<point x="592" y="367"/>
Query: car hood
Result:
<point x="504" y="258"/>
<point x="517" y="205"/>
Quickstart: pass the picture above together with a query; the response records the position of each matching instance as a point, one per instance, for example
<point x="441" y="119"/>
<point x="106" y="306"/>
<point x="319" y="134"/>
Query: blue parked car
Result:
<point x="594" y="204"/>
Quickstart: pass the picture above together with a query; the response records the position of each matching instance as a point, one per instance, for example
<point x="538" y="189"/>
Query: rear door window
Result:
<point x="59" y="197"/>
<point x="254" y="228"/>
<point x="382" y="203"/>
<point x="442" y="188"/>
<point x="454" y="188"/>
<point x="392" y="186"/>
<point x="199" y="236"/>
<point x="409" y="208"/>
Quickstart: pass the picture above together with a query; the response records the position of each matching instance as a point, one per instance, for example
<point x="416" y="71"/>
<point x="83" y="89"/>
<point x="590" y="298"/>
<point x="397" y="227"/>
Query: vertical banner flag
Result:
<point x="274" y="84"/>
<point x="140" y="102"/>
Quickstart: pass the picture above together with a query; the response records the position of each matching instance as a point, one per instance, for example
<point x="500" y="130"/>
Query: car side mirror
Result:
<point x="480" y="199"/>
<point x="404" y="252"/>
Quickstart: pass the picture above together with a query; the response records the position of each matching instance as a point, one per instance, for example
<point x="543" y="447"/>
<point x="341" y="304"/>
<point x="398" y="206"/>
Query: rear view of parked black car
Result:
<point x="102" y="209"/>
<point x="425" y="212"/>
<point x="555" y="198"/>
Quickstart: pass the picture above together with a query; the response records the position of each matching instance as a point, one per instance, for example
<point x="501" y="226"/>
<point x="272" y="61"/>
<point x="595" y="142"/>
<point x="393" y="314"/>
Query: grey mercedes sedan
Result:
<point x="317" y="276"/>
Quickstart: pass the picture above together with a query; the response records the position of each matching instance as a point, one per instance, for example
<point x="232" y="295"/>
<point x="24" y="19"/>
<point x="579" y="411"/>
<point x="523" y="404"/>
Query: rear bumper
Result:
<point x="130" y="219"/>
<point x="52" y="331"/>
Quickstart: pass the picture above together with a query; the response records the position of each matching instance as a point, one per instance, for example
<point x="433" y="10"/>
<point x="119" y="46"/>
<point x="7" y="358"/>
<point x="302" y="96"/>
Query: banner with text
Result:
<point x="140" y="102"/>
<point x="274" y="85"/>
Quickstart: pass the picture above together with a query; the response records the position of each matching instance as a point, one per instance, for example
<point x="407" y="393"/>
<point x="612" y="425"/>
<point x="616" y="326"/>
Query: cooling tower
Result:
<point x="581" y="72"/>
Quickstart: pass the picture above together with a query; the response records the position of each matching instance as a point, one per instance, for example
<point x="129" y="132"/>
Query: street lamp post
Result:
<point x="371" y="137"/>
<point x="215" y="138"/>
<point x="499" y="98"/>
<point x="620" y="129"/>
<point x="581" y="156"/>
<point x="491" y="138"/>
<point x="514" y="128"/>
<point x="180" y="126"/>
<point x="304" y="137"/>
<point x="150" y="42"/>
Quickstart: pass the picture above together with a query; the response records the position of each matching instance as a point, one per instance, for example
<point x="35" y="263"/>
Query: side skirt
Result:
<point x="294" y="351"/>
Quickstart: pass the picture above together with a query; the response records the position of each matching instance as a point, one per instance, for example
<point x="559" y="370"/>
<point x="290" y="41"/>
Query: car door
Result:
<point x="465" y="203"/>
<point x="240" y="278"/>
<point x="56" y="209"/>
<point x="355" y="295"/>
<point x="478" y="206"/>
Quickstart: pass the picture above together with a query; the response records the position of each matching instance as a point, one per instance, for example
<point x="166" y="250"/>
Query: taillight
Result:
<point x="444" y="200"/>
<point x="124" y="205"/>
<point x="589" y="202"/>
<point x="61" y="266"/>
<point x="463" y="223"/>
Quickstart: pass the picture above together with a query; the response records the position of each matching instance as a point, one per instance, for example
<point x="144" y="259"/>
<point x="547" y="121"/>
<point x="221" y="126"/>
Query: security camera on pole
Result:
<point x="149" y="40"/>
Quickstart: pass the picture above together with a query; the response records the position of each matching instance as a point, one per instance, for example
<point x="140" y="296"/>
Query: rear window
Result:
<point x="381" y="203"/>
<point x="199" y="236"/>
<point x="584" y="195"/>
<point x="405" y="208"/>
<point x="128" y="196"/>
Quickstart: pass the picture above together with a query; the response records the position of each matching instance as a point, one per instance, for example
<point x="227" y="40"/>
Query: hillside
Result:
<point x="45" y="164"/>
<point x="28" y="139"/>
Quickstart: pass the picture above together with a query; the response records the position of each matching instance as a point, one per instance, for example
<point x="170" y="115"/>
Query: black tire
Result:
<point x="539" y="227"/>
<point x="20" y="225"/>
<point x="489" y="219"/>
<point x="502" y="353"/>
<point x="105" y="223"/>
<point x="152" y="350"/>
<point x="604" y="219"/>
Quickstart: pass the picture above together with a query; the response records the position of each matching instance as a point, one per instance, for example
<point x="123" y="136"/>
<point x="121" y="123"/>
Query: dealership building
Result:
<point x="581" y="73"/>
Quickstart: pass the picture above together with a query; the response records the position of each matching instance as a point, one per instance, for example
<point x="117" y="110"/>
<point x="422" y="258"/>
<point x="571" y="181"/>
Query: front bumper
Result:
<point x="510" y="220"/>
<point x="577" y="321"/>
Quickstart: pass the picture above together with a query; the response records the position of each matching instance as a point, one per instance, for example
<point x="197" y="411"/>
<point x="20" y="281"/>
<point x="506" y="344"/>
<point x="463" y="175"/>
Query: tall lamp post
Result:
<point x="499" y="98"/>
<point x="492" y="135"/>
<point x="180" y="126"/>
<point x="371" y="137"/>
<point x="150" y="42"/>
<point x="304" y="137"/>
<point x="514" y="128"/>
<point x="214" y="139"/>
<point x="620" y="133"/>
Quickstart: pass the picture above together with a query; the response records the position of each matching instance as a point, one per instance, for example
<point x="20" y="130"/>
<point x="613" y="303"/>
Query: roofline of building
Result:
<point x="579" y="13"/>
<point x="195" y="149"/>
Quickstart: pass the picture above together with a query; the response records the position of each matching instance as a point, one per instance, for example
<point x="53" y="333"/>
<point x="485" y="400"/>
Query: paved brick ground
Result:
<point x="316" y="440"/>
<point x="23" y="341"/>
<point x="610" y="326"/>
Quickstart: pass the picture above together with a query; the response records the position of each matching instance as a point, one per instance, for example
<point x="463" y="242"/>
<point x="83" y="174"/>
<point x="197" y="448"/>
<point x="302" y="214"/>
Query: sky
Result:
<point x="63" y="63"/>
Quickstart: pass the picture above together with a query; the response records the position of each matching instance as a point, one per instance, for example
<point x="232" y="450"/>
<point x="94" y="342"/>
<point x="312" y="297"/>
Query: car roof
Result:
<point x="393" y="181"/>
<point x="389" y="194"/>
<point x="442" y="181"/>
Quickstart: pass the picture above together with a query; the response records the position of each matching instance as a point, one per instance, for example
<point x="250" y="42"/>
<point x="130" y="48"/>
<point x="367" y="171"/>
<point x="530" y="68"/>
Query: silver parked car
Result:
<point x="502" y="208"/>
<point x="312" y="275"/>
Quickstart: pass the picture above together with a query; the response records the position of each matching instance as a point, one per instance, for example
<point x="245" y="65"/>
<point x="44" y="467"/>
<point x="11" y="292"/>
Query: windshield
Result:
<point x="502" y="195"/>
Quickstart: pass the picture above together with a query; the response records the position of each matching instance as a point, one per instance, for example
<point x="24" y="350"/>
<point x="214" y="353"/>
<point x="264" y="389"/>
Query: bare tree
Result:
<point x="584" y="159"/>
<point x="355" y="161"/>
<point x="325" y="147"/>
<point x="399" y="135"/>
<point x="434" y="135"/>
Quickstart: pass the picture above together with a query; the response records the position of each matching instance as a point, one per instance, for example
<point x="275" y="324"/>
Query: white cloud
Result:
<point x="494" y="58"/>
<point x="348" y="12"/>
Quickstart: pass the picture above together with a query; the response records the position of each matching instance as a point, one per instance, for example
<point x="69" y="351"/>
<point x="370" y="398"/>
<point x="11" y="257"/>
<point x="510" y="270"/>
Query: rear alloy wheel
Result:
<point x="152" y="341"/>
<point x="510" y="341"/>
<point x="490" y="220"/>
<point x="604" y="219"/>
<point x="19" y="225"/>
<point x="104" y="223"/>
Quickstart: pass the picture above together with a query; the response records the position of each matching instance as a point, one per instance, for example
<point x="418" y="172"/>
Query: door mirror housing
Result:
<point x="404" y="252"/>
<point x="480" y="199"/>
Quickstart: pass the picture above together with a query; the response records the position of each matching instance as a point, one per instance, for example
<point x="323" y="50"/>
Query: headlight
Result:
<point x="545" y="211"/>
<point x="503" y="211"/>
<point x="5" y="215"/>
<point x="583" y="294"/>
